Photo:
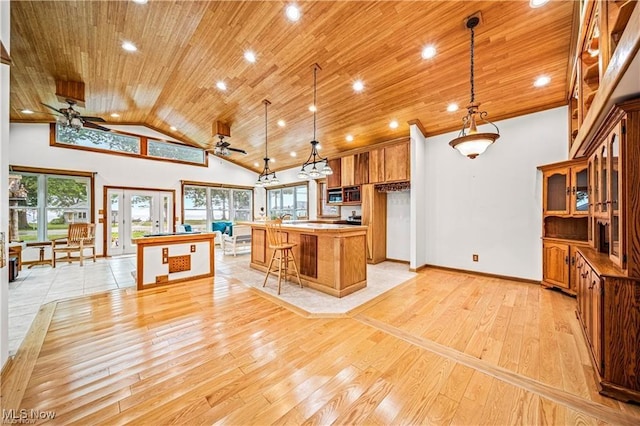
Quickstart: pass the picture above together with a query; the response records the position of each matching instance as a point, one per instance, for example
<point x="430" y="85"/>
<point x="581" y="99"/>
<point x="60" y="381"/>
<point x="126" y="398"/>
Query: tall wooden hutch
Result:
<point x="591" y="204"/>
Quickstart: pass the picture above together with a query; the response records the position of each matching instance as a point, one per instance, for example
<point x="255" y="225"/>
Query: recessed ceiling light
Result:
<point x="393" y="124"/>
<point x="452" y="107"/>
<point x="318" y="146"/>
<point x="250" y="56"/>
<point x="349" y="138"/>
<point x="293" y="154"/>
<point x="256" y="165"/>
<point x="140" y="1"/>
<point x="312" y="108"/>
<point x="281" y="123"/>
<point x="115" y="115"/>
<point x="272" y="160"/>
<point x="220" y="85"/>
<point x="537" y="3"/>
<point x="26" y="111"/>
<point x="541" y="81"/>
<point x="358" y="86"/>
<point x="174" y="128"/>
<point x="129" y="47"/>
<point x="428" y="52"/>
<point x="292" y="12"/>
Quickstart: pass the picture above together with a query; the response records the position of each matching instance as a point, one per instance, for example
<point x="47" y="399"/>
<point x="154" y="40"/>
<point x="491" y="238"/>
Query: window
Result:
<point x="174" y="151"/>
<point x="291" y="201"/>
<point x="126" y="144"/>
<point x="205" y="204"/>
<point x="45" y="203"/>
<point x="98" y="139"/>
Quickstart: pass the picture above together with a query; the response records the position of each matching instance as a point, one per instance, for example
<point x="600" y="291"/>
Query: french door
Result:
<point x="133" y="213"/>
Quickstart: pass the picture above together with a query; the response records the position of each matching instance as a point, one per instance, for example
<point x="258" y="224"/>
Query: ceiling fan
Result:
<point x="223" y="148"/>
<point x="72" y="118"/>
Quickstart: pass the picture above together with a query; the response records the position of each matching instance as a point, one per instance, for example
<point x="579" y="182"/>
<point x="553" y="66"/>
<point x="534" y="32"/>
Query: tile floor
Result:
<point x="42" y="284"/>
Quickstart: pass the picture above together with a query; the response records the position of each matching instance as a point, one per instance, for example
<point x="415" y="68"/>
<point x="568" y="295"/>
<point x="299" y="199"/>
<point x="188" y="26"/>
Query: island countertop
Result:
<point x="331" y="258"/>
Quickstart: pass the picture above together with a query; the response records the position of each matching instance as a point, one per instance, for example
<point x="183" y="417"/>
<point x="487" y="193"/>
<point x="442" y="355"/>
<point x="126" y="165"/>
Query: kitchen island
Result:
<point x="331" y="258"/>
<point x="173" y="257"/>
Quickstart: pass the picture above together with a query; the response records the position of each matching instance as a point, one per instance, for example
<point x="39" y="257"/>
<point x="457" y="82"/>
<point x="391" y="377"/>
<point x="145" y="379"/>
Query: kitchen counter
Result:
<point x="331" y="258"/>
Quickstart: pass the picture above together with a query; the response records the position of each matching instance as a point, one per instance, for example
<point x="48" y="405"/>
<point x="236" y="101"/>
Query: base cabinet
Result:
<point x="609" y="312"/>
<point x="559" y="265"/>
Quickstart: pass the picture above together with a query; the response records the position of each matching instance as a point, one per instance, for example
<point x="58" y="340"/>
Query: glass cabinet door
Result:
<point x="604" y="180"/>
<point x="580" y="190"/>
<point x="596" y="184"/>
<point x="616" y="189"/>
<point x="556" y="199"/>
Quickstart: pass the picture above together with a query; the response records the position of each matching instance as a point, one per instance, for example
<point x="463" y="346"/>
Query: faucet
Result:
<point x="283" y="216"/>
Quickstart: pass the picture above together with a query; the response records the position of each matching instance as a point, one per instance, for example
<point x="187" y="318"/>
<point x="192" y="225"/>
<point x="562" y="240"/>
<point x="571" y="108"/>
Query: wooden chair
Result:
<point x="80" y="236"/>
<point x="282" y="250"/>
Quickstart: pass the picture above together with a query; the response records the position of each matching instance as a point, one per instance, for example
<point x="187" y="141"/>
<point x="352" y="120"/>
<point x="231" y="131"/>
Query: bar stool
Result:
<point x="282" y="250"/>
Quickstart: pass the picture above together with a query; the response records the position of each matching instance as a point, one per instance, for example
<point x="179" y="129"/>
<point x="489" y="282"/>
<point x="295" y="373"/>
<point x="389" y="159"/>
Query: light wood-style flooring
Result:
<point x="443" y="348"/>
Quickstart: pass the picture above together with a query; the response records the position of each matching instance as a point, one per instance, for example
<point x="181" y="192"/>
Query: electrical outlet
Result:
<point x="475" y="257"/>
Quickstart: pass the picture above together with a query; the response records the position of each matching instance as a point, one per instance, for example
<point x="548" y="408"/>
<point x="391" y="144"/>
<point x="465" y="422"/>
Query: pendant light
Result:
<point x="317" y="165"/>
<point x="470" y="142"/>
<point x="267" y="177"/>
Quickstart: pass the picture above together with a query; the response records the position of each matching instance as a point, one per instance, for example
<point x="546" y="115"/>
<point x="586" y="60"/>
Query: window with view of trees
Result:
<point x="203" y="205"/>
<point x="44" y="204"/>
<point x="288" y="201"/>
<point x="121" y="143"/>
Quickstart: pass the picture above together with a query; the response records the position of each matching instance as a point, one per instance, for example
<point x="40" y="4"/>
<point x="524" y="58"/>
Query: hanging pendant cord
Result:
<point x="315" y="105"/>
<point x="266" y="155"/>
<point x="473" y="95"/>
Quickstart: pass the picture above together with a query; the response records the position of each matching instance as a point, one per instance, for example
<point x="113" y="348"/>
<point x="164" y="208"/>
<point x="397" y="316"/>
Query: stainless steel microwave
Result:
<point x="335" y="197"/>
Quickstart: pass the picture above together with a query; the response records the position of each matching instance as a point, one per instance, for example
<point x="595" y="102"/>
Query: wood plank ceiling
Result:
<point x="186" y="47"/>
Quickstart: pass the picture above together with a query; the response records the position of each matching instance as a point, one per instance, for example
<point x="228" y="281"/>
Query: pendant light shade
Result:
<point x="316" y="166"/>
<point x="470" y="142"/>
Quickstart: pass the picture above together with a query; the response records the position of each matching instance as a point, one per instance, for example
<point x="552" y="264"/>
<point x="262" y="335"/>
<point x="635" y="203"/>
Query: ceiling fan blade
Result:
<point x="55" y="109"/>
<point x="242" y="151"/>
<point x="100" y="119"/>
<point x="95" y="126"/>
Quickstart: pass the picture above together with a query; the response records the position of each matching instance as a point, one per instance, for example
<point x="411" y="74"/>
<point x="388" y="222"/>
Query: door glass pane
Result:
<point x="604" y="193"/>
<point x="114" y="199"/>
<point x="274" y="206"/>
<point x="142" y="216"/>
<point x="301" y="202"/>
<point x="596" y="181"/>
<point x="556" y="192"/>
<point x="165" y="216"/>
<point x="288" y="202"/>
<point x="582" y="188"/>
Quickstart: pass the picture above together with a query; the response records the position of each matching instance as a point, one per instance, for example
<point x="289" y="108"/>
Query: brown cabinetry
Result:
<point x="376" y="165"/>
<point x="565" y="221"/>
<point x="347" y="167"/>
<point x="361" y="168"/>
<point x="374" y="216"/>
<point x="397" y="164"/>
<point x="609" y="312"/>
<point x="334" y="180"/>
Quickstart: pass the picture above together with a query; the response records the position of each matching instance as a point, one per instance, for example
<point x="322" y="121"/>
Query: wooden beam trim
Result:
<point x="419" y="125"/>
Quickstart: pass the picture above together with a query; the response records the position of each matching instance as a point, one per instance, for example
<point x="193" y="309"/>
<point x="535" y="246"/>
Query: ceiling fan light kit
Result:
<point x="318" y="165"/>
<point x="470" y="142"/>
<point x="266" y="177"/>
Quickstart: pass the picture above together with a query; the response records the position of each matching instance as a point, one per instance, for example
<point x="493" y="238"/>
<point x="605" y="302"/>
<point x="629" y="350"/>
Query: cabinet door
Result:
<point x="335" y="180"/>
<point x="556" y="191"/>
<point x="347" y="170"/>
<point x="604" y="180"/>
<point x="376" y="165"/>
<point x="361" y="166"/>
<point x="396" y="162"/>
<point x="580" y="190"/>
<point x="616" y="239"/>
<point x="556" y="263"/>
<point x="581" y="286"/>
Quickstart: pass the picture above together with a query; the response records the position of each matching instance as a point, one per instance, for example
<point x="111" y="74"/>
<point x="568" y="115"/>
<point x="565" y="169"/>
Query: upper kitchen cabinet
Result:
<point x="397" y="162"/>
<point x="334" y="180"/>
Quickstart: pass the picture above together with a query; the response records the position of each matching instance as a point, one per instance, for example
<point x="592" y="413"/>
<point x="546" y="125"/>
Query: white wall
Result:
<point x="29" y="146"/>
<point x="419" y="200"/>
<point x="398" y="225"/>
<point x="491" y="206"/>
<point x="4" y="179"/>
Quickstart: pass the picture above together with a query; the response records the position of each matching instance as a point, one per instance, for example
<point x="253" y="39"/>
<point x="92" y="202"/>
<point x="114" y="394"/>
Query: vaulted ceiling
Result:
<point x="186" y="47"/>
